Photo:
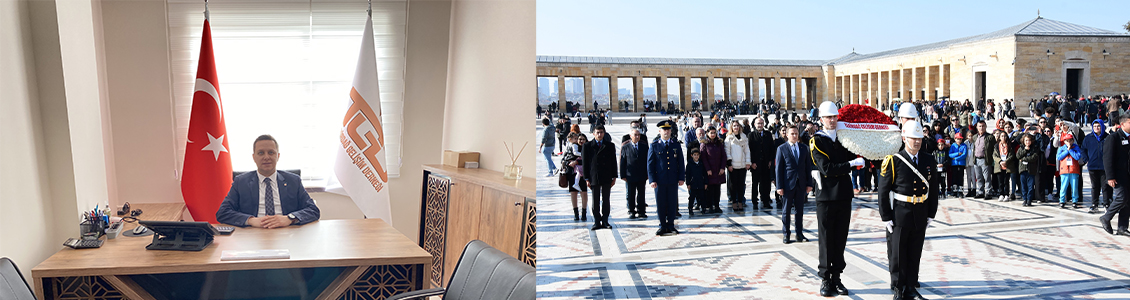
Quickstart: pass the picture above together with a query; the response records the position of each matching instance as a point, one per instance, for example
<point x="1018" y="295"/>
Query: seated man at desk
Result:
<point x="267" y="198"/>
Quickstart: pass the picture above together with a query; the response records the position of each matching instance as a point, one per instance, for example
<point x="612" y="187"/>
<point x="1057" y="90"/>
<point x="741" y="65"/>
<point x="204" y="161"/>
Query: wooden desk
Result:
<point x="368" y="247"/>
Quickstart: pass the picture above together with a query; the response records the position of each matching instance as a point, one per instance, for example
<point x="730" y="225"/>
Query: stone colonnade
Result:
<point x="876" y="88"/>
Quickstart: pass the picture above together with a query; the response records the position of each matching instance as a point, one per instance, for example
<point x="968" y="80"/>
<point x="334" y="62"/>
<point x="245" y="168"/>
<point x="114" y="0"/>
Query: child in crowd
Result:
<point x="1069" y="157"/>
<point x="942" y="156"/>
<point x="959" y="154"/>
<point x="1029" y="155"/>
<point x="695" y="180"/>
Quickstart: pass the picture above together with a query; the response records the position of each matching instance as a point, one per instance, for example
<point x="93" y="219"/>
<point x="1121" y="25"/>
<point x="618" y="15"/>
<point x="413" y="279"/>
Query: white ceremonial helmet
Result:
<point x="913" y="129"/>
<point x="829" y="108"/>
<point x="907" y="110"/>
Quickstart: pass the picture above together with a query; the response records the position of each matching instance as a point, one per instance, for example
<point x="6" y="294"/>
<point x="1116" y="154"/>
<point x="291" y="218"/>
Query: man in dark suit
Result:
<point x="267" y="198"/>
<point x="1116" y="157"/>
<point x="761" y="147"/>
<point x="833" y="199"/>
<point x="633" y="171"/>
<point x="794" y="180"/>
<point x="907" y="204"/>
<point x="599" y="157"/>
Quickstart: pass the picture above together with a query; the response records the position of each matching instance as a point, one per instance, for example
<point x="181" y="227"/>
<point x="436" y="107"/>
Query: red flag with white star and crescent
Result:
<point x="207" y="173"/>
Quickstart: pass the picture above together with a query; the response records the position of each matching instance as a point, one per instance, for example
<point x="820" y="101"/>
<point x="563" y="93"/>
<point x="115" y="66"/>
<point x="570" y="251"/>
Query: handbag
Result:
<point x="563" y="180"/>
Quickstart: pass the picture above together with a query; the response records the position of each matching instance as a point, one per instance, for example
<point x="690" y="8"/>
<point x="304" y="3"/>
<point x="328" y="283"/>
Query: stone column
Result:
<point x="930" y="85"/>
<point x="801" y="93"/>
<point x="777" y="90"/>
<point x="732" y="90"/>
<point x="708" y="93"/>
<point x="685" y="100"/>
<point x="661" y="92"/>
<point x="848" y="88"/>
<point x="906" y="80"/>
<point x="561" y="93"/>
<point x="914" y="85"/>
<point x="637" y="96"/>
<point x="614" y="93"/>
<point x="590" y="104"/>
<point x="944" y="80"/>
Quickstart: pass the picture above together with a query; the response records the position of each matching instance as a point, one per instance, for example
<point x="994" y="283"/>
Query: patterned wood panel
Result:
<point x="529" y="245"/>
<point x="84" y="287"/>
<point x="434" y="229"/>
<point x="381" y="282"/>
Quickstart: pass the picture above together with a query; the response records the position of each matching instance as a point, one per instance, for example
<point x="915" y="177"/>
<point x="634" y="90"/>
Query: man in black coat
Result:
<point x="1116" y="158"/>
<point x="762" y="146"/>
<point x="833" y="199"/>
<point x="633" y="170"/>
<point x="599" y="157"/>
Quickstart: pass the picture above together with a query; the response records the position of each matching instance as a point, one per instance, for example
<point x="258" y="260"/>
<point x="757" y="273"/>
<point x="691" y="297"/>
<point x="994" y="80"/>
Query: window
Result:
<point x="285" y="68"/>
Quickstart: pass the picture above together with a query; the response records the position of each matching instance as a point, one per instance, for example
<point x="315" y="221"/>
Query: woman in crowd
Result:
<point x="737" y="153"/>
<point x="942" y="157"/>
<point x="572" y="159"/>
<point x="714" y="159"/>
<point x="1004" y="164"/>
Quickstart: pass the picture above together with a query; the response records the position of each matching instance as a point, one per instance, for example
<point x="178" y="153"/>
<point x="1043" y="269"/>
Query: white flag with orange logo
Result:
<point x="360" y="167"/>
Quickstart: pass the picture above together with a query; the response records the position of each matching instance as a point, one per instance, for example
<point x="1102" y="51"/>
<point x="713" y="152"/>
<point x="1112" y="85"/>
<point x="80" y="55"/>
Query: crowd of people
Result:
<point x="972" y="149"/>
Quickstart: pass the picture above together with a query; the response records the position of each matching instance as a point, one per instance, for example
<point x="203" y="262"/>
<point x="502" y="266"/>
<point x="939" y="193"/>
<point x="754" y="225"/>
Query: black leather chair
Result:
<point x="295" y="171"/>
<point x="484" y="273"/>
<point x="12" y="283"/>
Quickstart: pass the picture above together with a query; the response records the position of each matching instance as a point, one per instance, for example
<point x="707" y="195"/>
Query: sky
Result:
<point x="819" y="30"/>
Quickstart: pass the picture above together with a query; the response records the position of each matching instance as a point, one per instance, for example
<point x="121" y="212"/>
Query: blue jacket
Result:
<point x="242" y="201"/>
<point x="1074" y="151"/>
<point x="792" y="172"/>
<point x="1093" y="147"/>
<point x="959" y="153"/>
<point x="665" y="162"/>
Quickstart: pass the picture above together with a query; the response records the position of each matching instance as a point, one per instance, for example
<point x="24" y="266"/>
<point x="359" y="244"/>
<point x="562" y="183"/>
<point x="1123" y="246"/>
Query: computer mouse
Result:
<point x="140" y="229"/>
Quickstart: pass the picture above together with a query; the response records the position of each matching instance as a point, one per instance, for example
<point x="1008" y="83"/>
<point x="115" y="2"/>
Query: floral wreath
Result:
<point x="868" y="132"/>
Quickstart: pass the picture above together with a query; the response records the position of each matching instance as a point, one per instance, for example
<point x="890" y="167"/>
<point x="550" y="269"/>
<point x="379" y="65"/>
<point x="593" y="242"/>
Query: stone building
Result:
<point x="1021" y="62"/>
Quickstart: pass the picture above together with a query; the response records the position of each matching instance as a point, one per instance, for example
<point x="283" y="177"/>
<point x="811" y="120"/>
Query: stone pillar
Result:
<point x="732" y="90"/>
<point x="755" y="90"/>
<point x="906" y="79"/>
<point x="590" y="104"/>
<point x="614" y="93"/>
<point x="914" y="84"/>
<point x="637" y="96"/>
<point x="930" y="85"/>
<point x="685" y="100"/>
<point x="777" y="90"/>
<point x="561" y="93"/>
<point x="707" y="93"/>
<point x="661" y="92"/>
<point x="886" y="86"/>
<point x="801" y="93"/>
<point x="944" y="80"/>
<point x="847" y="89"/>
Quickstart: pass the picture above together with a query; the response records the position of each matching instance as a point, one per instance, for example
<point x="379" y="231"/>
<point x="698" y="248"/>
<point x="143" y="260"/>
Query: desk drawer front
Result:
<point x="81" y="287"/>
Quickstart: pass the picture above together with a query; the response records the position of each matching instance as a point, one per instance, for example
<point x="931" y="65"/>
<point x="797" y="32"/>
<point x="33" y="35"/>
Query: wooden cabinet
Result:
<point x="460" y="205"/>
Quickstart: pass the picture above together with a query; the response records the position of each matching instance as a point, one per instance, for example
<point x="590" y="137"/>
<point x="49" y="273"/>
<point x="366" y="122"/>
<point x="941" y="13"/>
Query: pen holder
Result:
<point x="512" y="172"/>
<point x="88" y="228"/>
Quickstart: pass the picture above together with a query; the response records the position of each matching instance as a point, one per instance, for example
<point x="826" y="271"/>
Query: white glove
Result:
<point x="858" y="161"/>
<point x="891" y="226"/>
<point x="928" y="221"/>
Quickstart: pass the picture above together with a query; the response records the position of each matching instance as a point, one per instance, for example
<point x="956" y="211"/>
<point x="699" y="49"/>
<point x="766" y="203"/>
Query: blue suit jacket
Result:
<point x="665" y="162"/>
<point x="242" y="201"/>
<point x="791" y="171"/>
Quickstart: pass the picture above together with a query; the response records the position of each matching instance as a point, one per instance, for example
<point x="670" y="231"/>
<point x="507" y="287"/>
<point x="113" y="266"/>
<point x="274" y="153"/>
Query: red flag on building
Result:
<point x="207" y="174"/>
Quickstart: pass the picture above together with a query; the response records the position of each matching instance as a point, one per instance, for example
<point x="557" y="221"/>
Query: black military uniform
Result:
<point x="833" y="205"/>
<point x="913" y="202"/>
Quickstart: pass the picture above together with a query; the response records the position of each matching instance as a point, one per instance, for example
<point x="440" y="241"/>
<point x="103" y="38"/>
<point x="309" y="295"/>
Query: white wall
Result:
<point x="490" y="65"/>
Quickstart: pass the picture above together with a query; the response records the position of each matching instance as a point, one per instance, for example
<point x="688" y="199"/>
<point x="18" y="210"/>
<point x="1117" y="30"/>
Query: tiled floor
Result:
<point x="976" y="249"/>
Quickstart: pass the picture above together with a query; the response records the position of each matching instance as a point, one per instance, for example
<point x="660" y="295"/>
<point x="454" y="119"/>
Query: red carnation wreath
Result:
<point x="867" y="132"/>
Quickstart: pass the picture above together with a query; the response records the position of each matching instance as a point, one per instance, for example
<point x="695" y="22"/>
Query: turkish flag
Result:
<point x="207" y="174"/>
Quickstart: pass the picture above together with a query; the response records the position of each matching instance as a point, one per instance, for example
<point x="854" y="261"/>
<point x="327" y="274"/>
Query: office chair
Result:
<point x="12" y="283"/>
<point x="484" y="273"/>
<point x="295" y="171"/>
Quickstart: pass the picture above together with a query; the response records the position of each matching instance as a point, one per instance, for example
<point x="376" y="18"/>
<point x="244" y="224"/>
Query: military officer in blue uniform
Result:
<point x="665" y="172"/>
<point x="907" y="204"/>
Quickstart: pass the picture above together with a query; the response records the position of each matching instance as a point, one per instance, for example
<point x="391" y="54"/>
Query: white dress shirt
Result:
<point x="263" y="194"/>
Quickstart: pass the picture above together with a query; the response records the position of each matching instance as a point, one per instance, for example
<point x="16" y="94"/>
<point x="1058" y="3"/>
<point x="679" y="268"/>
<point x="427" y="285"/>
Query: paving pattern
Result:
<point x="976" y="249"/>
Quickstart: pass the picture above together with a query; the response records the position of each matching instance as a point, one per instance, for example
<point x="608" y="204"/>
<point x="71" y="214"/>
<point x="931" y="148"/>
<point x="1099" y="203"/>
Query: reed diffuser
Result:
<point x="513" y="171"/>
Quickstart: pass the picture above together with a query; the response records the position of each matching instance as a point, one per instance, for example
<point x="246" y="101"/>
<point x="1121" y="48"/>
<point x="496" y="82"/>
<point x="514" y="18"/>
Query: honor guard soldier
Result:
<point x="909" y="112"/>
<point x="665" y="171"/>
<point x="833" y="198"/>
<point x="907" y="204"/>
